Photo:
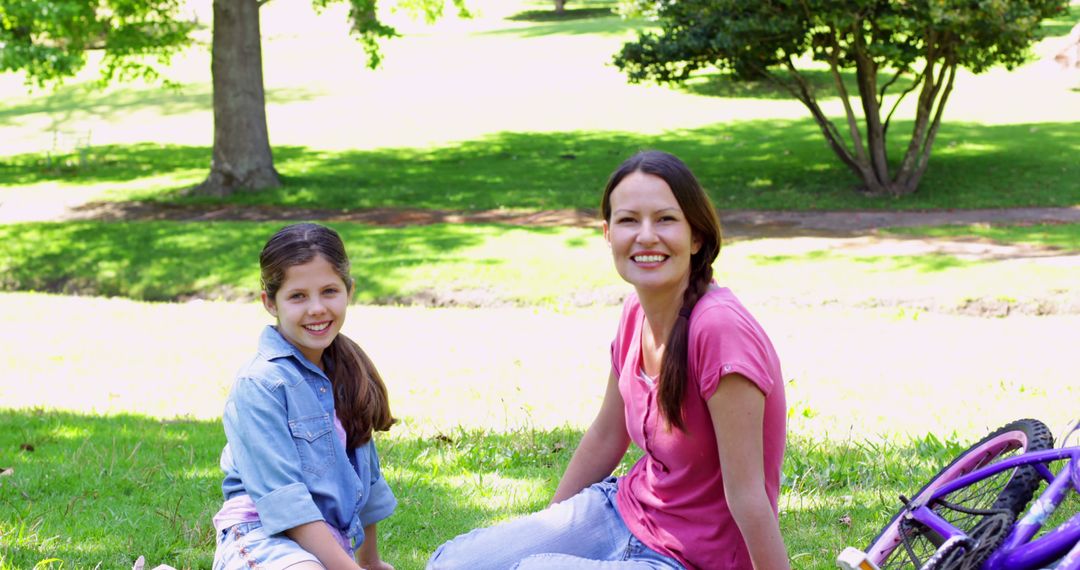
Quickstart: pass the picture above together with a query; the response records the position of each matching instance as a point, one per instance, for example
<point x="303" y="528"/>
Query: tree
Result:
<point x="560" y="6"/>
<point x="48" y="39"/>
<point x="921" y="40"/>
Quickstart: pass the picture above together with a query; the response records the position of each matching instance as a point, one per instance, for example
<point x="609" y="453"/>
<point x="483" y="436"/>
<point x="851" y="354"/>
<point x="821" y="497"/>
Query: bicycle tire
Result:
<point x="1009" y="491"/>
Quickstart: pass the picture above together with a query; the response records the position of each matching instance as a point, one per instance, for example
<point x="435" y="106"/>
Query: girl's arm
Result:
<point x="315" y="538"/>
<point x="601" y="448"/>
<point x="737" y="409"/>
<point x="368" y="553"/>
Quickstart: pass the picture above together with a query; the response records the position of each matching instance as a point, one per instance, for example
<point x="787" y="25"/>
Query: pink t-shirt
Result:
<point x="673" y="498"/>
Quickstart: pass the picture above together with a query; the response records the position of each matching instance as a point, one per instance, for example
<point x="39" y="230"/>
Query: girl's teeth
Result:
<point x="317" y="328"/>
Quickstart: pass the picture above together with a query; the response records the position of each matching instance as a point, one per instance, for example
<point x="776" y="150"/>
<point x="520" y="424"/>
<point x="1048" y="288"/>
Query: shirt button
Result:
<point x="323" y="389"/>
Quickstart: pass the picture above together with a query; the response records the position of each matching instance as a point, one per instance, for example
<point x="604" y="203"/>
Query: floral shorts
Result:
<point x="246" y="546"/>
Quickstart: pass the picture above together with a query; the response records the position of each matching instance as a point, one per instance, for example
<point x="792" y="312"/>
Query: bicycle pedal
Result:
<point x="854" y="559"/>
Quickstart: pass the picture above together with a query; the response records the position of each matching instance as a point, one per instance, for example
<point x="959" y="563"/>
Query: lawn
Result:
<point x="489" y="416"/>
<point x="113" y="373"/>
<point x="158" y="501"/>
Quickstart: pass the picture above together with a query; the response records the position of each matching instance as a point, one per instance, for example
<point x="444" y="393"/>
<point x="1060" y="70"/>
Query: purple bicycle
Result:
<point x="971" y="515"/>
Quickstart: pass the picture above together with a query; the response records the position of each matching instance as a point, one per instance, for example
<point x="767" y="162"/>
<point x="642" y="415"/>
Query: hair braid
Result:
<point x="673" y="369"/>
<point x="705" y="225"/>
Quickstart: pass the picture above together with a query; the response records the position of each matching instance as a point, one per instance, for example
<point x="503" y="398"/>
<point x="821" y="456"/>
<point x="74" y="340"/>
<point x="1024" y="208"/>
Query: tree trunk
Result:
<point x="242" y="158"/>
<point x="560" y="6"/>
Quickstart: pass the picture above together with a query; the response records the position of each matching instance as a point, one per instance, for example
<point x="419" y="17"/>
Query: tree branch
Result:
<point x="832" y="135"/>
<point x="924" y="155"/>
<point x="853" y="123"/>
<point x="918" y="81"/>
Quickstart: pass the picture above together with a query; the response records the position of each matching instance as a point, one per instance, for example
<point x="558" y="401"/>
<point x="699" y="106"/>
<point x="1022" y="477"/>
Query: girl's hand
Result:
<point x="376" y="565"/>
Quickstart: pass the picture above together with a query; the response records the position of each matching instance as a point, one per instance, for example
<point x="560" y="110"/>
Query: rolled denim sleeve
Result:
<point x="381" y="501"/>
<point x="256" y="425"/>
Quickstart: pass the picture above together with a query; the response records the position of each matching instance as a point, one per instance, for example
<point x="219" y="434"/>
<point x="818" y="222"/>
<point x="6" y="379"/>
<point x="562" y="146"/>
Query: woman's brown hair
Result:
<point x="360" y="397"/>
<point x="705" y="225"/>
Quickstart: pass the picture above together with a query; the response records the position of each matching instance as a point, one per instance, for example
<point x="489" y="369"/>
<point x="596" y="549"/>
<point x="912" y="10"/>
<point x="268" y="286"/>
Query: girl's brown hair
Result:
<point x="360" y="396"/>
<point x="705" y="225"/>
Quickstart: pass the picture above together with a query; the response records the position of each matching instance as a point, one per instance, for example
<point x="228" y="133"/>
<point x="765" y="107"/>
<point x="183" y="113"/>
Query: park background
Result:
<point x="120" y="332"/>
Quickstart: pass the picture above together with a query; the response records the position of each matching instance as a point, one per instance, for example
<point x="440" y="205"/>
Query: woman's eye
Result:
<point x="624" y="220"/>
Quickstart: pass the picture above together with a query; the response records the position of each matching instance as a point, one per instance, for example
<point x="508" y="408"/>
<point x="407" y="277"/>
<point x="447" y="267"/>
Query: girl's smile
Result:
<point x="310" y="307"/>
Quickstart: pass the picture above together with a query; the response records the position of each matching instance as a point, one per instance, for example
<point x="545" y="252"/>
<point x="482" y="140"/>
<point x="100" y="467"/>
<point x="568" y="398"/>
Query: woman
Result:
<point x="695" y="383"/>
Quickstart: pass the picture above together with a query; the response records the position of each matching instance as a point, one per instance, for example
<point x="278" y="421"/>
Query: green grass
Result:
<point x="1058" y="236"/>
<point x="765" y="165"/>
<point x="164" y="261"/>
<point x="448" y="264"/>
<point x="94" y="490"/>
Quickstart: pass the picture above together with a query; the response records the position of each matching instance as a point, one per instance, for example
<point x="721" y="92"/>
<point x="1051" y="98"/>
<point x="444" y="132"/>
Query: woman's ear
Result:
<point x="268" y="304"/>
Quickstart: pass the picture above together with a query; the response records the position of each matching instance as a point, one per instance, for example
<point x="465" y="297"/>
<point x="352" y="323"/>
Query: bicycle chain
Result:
<point x="990" y="532"/>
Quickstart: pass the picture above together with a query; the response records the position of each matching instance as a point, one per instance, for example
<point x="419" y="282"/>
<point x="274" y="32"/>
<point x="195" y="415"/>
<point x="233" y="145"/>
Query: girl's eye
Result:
<point x="296" y="296"/>
<point x="330" y="291"/>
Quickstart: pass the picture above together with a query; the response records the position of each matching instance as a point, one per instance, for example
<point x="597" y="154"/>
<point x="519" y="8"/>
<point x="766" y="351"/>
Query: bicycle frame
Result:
<point x="1019" y="552"/>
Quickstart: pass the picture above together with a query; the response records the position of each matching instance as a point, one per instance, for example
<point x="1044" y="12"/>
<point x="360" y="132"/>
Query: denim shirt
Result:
<point x="282" y="450"/>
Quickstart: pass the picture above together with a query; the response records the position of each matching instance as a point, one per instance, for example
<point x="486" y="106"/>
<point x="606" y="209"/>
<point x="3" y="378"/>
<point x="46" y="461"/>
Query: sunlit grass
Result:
<point x="1059" y="236"/>
<point x="492" y="265"/>
<point x="164" y="487"/>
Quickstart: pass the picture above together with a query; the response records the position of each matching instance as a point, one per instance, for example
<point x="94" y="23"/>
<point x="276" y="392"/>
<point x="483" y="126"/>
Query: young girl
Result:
<point x="694" y="382"/>
<point x="302" y="482"/>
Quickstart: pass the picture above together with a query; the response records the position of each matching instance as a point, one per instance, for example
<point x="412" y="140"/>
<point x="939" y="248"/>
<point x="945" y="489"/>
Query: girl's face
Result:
<point x="650" y="239"/>
<point x="310" y="307"/>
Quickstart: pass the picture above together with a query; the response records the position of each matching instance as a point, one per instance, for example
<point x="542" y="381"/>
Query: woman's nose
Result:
<point x="646" y="233"/>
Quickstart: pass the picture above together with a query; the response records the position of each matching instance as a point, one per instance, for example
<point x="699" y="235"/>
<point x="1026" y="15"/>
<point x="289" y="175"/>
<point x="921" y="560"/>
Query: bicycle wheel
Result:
<point x="905" y="544"/>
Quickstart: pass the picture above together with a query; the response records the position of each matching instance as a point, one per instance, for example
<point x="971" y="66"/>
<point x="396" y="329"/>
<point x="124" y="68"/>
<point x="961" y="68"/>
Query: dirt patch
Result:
<point x="736" y="223"/>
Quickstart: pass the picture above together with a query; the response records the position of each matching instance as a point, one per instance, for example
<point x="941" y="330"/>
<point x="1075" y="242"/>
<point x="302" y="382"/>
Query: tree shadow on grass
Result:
<point x="821" y="82"/>
<point x="1063" y="23"/>
<point x="567" y="15"/>
<point x="153" y="261"/>
<point x="761" y="164"/>
<point x="88" y="99"/>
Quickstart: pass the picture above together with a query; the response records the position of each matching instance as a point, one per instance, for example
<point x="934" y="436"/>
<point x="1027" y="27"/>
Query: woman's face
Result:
<point x="650" y="238"/>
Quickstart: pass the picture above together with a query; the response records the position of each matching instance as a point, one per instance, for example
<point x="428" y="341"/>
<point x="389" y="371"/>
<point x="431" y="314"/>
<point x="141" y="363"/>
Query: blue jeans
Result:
<point x="582" y="532"/>
<point x="246" y="545"/>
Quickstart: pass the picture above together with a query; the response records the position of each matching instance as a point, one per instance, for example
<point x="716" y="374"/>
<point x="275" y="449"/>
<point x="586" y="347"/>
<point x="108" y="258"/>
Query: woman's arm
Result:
<point x="315" y="538"/>
<point x="601" y="448"/>
<point x="737" y="409"/>
<point x="368" y="553"/>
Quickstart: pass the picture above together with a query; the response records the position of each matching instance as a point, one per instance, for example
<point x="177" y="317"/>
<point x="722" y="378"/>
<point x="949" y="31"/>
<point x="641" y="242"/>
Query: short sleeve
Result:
<point x="262" y="448"/>
<point x="725" y="341"/>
